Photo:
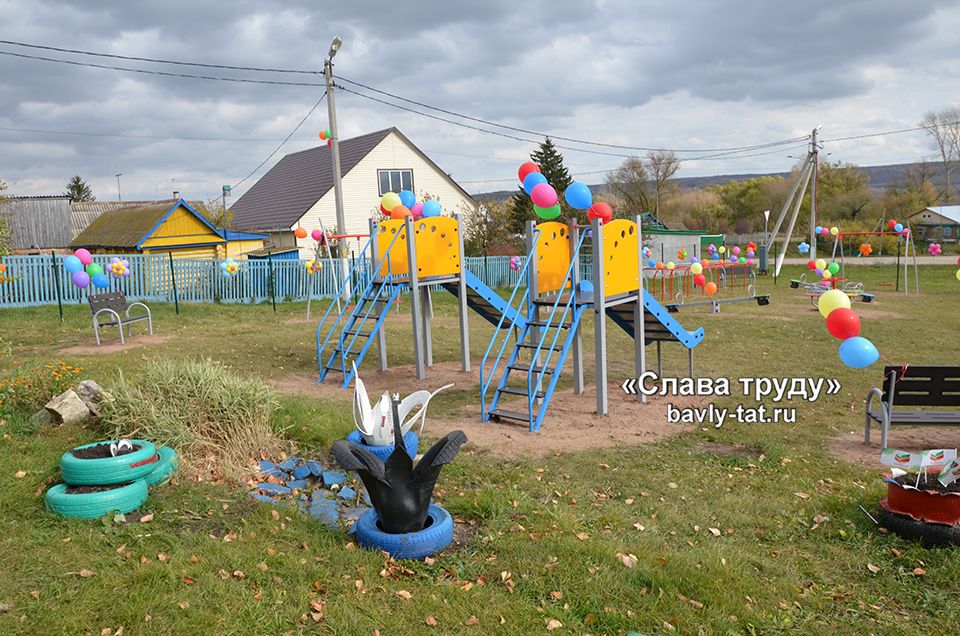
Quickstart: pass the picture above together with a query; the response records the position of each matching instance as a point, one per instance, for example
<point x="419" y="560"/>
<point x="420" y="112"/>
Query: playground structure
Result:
<point x="904" y="239"/>
<point x="736" y="282"/>
<point x="534" y="331"/>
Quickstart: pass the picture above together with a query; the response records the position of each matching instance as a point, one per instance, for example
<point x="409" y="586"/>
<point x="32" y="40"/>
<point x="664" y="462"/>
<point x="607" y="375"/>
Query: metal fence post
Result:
<point x="56" y="282"/>
<point x="173" y="280"/>
<point x="273" y="282"/>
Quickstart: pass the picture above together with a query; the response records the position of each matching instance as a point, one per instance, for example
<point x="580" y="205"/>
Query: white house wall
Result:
<point x="361" y="197"/>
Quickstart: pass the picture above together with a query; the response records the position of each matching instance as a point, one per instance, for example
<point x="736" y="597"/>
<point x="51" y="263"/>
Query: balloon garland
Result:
<point x="84" y="272"/>
<point x="803" y="248"/>
<point x="843" y="324"/>
<point x="230" y="268"/>
<point x="398" y="205"/>
<point x="934" y="249"/>
<point x="515" y="263"/>
<point x="3" y="275"/>
<point x="866" y="249"/>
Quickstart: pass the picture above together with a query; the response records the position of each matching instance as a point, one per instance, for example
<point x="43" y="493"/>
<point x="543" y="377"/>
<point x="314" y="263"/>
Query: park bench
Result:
<point x="913" y="386"/>
<point x="111" y="309"/>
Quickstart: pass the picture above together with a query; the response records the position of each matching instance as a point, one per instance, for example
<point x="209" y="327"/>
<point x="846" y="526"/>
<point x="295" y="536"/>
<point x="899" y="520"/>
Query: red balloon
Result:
<point x="843" y="323"/>
<point x="400" y="211"/>
<point x="602" y="211"/>
<point x="811" y="265"/>
<point x="699" y="280"/>
<point x="892" y="223"/>
<point x="526" y="169"/>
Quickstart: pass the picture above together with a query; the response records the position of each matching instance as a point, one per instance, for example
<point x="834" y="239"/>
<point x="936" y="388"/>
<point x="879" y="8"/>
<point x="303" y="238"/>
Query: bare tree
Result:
<point x="662" y="165"/>
<point x="630" y="184"/>
<point x="943" y="126"/>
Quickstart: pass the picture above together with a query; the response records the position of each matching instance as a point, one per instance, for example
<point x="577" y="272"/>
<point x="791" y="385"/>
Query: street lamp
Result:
<point x="118" y="175"/>
<point x="335" y="150"/>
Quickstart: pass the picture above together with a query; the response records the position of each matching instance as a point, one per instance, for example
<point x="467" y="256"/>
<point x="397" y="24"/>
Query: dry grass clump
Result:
<point x="217" y="420"/>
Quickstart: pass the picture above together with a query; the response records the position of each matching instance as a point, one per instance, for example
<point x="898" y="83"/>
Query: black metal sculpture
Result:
<point x="400" y="493"/>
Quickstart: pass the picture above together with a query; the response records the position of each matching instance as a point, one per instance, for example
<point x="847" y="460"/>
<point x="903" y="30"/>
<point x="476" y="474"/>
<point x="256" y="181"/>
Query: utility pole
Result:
<point x="335" y="149"/>
<point x="118" y="175"/>
<point x="814" y="152"/>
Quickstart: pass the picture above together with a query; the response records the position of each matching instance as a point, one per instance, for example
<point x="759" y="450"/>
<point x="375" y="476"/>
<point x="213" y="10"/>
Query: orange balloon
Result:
<point x="3" y="268"/>
<point x="300" y="233"/>
<point x="710" y="288"/>
<point x="323" y="134"/>
<point x="400" y="211"/>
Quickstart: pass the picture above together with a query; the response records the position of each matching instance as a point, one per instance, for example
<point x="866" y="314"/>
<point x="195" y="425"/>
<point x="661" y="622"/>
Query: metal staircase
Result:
<point x="487" y="303"/>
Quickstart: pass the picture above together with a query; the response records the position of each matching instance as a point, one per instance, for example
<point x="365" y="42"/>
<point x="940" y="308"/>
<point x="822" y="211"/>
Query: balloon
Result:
<point x="532" y="180"/>
<point x="431" y="208"/>
<point x="323" y="135"/>
<point x="407" y="198"/>
<point x="72" y="264"/>
<point x="958" y="274"/>
<point x="81" y="279"/>
<point x="602" y="211"/>
<point x="100" y="280"/>
<point x="811" y="265"/>
<point x="93" y="269"/>
<point x="891" y="224"/>
<point x="527" y="168"/>
<point x="858" y="352"/>
<point x="389" y="201"/>
<point x="958" y="262"/>
<point x="699" y="280"/>
<point x="694" y="259"/>
<point x="400" y="211"/>
<point x="833" y="268"/>
<point x="651" y="263"/>
<point x="515" y="263"/>
<point x="578" y="196"/>
<point x="818" y="271"/>
<point x="736" y="250"/>
<point x="834" y="230"/>
<point x="826" y="274"/>
<point x="84" y="256"/>
<point x="716" y="256"/>
<point x="696" y="268"/>
<point x="831" y="300"/>
<point x="660" y="265"/>
<point x="733" y="259"/>
<point x="671" y="265"/>
<point x="743" y="259"/>
<point x="710" y="288"/>
<point x="543" y="195"/>
<point x="722" y="249"/>
<point x="817" y="229"/>
<point x="803" y="248"/>
<point x="547" y="213"/>
<point x="843" y="323"/>
<point x="329" y="143"/>
<point x="898" y="227"/>
<point x="821" y="264"/>
<point x="934" y="249"/>
<point x="866" y="249"/>
<point x="749" y="261"/>
<point x="417" y="210"/>
<point x="300" y="233"/>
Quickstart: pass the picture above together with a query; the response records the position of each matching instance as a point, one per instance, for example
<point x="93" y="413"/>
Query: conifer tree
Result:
<point x="551" y="166"/>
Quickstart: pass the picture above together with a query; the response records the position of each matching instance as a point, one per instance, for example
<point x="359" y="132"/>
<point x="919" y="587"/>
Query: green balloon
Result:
<point x="547" y="214"/>
<point x="93" y="269"/>
<point x="834" y="268"/>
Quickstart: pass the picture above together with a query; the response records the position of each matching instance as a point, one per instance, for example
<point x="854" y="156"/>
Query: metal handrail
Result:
<point x="571" y="301"/>
<point x="521" y="279"/>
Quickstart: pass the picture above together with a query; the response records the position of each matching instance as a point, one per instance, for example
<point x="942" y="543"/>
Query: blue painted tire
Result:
<point x="107" y="471"/>
<point x="410" y="545"/>
<point x="410" y="442"/>
<point x="94" y="505"/>
<point x="165" y="467"/>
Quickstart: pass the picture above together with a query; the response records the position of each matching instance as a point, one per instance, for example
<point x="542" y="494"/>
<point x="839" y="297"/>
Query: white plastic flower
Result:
<point x="375" y="422"/>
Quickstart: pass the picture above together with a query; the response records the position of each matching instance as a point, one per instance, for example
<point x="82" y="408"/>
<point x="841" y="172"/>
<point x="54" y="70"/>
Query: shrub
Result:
<point x="32" y="387"/>
<point x="217" y="419"/>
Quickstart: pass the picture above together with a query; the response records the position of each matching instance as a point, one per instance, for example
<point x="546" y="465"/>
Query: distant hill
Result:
<point x="881" y="178"/>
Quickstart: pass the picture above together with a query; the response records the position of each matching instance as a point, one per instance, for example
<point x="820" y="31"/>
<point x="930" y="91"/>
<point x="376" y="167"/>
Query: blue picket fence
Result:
<point x="32" y="281"/>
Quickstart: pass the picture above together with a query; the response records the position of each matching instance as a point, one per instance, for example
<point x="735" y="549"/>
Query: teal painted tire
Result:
<point x="107" y="471"/>
<point x="94" y="505"/>
<point x="165" y="467"/>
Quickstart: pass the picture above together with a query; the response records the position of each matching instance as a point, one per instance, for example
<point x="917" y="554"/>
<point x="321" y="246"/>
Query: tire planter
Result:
<point x="410" y="442"/>
<point x="165" y="467"/>
<point x="930" y="535"/>
<point x="107" y="471"/>
<point x="923" y="505"/>
<point x="436" y="536"/>
<point x="94" y="505"/>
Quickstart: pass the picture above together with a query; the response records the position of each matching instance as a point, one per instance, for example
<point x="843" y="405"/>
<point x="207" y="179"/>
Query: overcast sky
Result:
<point x="693" y="75"/>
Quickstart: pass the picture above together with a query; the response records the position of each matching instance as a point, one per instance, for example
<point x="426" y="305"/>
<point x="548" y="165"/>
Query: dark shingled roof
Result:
<point x="291" y="187"/>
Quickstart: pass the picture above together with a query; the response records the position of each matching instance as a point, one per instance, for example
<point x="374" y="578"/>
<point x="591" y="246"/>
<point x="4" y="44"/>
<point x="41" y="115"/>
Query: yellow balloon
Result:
<point x="671" y="265"/>
<point x="833" y="299"/>
<point x="697" y="268"/>
<point x="834" y="230"/>
<point x="827" y="274"/>
<point x="958" y="274"/>
<point x="821" y="264"/>
<point x="721" y="249"/>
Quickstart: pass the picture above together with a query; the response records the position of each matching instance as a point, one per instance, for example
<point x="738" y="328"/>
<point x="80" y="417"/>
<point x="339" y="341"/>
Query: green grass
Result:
<point x="545" y="532"/>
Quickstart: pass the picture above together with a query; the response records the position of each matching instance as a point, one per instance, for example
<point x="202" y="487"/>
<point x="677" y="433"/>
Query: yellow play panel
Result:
<point x="386" y="231"/>
<point x="438" y="246"/>
<point x="621" y="254"/>
<point x="553" y="256"/>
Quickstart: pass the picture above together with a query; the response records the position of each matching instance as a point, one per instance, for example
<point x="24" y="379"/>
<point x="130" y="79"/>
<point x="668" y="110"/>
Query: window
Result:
<point x="395" y="180"/>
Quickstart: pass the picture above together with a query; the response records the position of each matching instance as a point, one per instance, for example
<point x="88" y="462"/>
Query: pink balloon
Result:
<point x="84" y="256"/>
<point x="543" y="195"/>
<point x="316" y="235"/>
<point x="417" y="210"/>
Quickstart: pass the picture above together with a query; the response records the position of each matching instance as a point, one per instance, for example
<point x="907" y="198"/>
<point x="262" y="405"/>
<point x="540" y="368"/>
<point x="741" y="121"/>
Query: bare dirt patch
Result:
<point x="849" y="446"/>
<point x="114" y="346"/>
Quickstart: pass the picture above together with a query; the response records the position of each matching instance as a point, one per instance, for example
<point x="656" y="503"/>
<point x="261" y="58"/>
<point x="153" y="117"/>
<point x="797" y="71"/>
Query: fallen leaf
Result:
<point x="162" y="557"/>
<point x="106" y="631"/>
<point x="263" y="567"/>
<point x="238" y="574"/>
<point x="34" y="594"/>
<point x="672" y="485"/>
<point x="230" y="536"/>
<point x="639" y="526"/>
<point x="184" y="604"/>
<point x="629" y="501"/>
<point x="20" y="474"/>
<point x="5" y="607"/>
<point x="802" y="495"/>
<point x="714" y="531"/>
<point x="429" y="560"/>
<point x="873" y="568"/>
<point x="85" y="574"/>
<point x="275" y="514"/>
<point x="473" y="620"/>
<point x="662" y="560"/>
<point x="919" y="571"/>
<point x="895" y="552"/>
<point x="146" y="518"/>
<point x="147" y="618"/>
<point x="583" y="536"/>
<point x="188" y="580"/>
<point x="431" y="621"/>
<point x="629" y="560"/>
<point x="553" y="624"/>
<point x="404" y="594"/>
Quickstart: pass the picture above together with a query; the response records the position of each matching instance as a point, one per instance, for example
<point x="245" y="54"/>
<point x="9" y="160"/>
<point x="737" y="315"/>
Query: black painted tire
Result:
<point x="106" y="471"/>
<point x="94" y="505"/>
<point x="165" y="467"/>
<point x="410" y="545"/>
<point x="410" y="442"/>
<point x="931" y="535"/>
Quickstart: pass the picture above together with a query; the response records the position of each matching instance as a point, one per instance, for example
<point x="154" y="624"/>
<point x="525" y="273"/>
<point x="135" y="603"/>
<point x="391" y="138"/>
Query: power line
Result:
<point x="890" y="132"/>
<point x="132" y="136"/>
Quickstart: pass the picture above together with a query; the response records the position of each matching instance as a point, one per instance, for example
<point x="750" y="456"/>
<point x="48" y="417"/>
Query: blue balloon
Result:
<point x="72" y="264"/>
<point x="407" y="198"/>
<point x="431" y="207"/>
<point x="898" y="227"/>
<point x="858" y="352"/>
<point x="578" y="195"/>
<point x="716" y="256"/>
<point x="651" y="263"/>
<point x="532" y="180"/>
<point x="100" y="280"/>
<point x="818" y="229"/>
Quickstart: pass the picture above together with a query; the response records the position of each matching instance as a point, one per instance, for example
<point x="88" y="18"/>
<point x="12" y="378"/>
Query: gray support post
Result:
<point x="375" y="263"/>
<point x="690" y="354"/>
<point x="599" y="319"/>
<point x="639" y="320"/>
<point x="533" y="311"/>
<point x="578" y="334"/>
<point x="427" y="303"/>
<point x="659" y="360"/>
<point x="415" y="309"/>
<point x="462" y="302"/>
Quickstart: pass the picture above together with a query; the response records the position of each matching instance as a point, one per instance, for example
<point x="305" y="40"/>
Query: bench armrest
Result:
<point x="97" y="313"/>
<point x="132" y="305"/>
<point x="883" y="415"/>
